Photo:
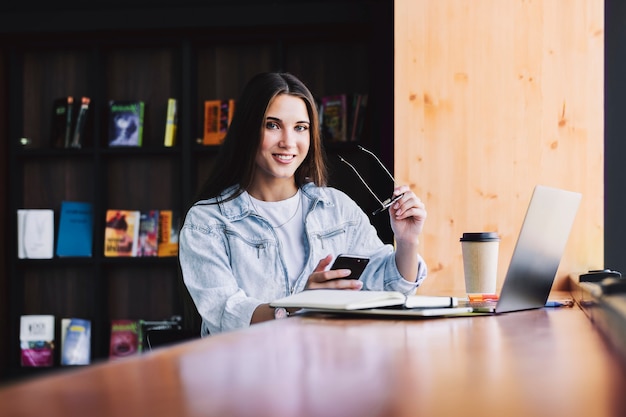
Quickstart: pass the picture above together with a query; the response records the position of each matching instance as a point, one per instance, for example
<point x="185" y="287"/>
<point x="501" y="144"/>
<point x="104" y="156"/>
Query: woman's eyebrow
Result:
<point x="276" y="119"/>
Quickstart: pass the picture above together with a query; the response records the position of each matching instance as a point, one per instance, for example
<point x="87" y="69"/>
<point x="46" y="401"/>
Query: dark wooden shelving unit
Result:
<point x="335" y="47"/>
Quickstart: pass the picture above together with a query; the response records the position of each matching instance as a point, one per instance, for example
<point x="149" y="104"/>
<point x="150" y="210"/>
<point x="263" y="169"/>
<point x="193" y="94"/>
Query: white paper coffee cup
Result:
<point x="480" y="262"/>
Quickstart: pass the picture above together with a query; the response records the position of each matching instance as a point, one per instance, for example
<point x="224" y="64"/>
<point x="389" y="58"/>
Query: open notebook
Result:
<point x="371" y="302"/>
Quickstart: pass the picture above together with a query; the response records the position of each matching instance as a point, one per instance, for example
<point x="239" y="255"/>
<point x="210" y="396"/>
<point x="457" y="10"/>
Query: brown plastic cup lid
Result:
<point x="480" y="237"/>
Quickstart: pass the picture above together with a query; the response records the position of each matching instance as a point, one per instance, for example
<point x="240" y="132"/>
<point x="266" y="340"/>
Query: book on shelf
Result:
<point x="62" y="114"/>
<point x="217" y="117"/>
<point x="169" y="224"/>
<point x="125" y="338"/>
<point x="331" y="299"/>
<point x="126" y="119"/>
<point x="171" y="123"/>
<point x="35" y="233"/>
<point x="356" y="120"/>
<point x="148" y="233"/>
<point x="75" y="341"/>
<point x="75" y="235"/>
<point x="81" y="121"/>
<point x="121" y="233"/>
<point x="37" y="340"/>
<point x="334" y="113"/>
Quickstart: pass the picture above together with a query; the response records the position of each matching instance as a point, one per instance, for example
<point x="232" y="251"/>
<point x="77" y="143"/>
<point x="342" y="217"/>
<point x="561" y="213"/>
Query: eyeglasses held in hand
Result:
<point x="384" y="205"/>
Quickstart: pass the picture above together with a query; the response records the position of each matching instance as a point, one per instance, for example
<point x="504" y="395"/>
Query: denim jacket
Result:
<point x="232" y="261"/>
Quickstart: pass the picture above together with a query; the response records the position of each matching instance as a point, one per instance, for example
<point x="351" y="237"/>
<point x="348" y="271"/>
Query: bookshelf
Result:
<point x="192" y="62"/>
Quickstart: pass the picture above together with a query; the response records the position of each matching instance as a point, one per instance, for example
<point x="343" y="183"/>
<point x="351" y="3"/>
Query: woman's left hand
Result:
<point x="407" y="215"/>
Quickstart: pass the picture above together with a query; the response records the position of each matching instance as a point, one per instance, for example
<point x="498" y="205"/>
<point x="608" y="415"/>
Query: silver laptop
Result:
<point x="538" y="251"/>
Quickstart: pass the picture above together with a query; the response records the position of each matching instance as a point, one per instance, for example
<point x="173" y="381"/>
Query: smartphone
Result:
<point x="356" y="264"/>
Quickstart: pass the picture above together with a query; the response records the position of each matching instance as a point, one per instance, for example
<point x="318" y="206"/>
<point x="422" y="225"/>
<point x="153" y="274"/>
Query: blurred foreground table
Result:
<point x="547" y="362"/>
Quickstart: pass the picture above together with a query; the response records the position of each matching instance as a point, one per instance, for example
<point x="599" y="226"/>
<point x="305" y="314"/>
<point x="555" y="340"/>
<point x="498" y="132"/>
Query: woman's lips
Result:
<point x="282" y="158"/>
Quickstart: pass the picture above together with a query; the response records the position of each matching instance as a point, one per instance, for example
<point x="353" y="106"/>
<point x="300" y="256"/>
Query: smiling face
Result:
<point x="284" y="145"/>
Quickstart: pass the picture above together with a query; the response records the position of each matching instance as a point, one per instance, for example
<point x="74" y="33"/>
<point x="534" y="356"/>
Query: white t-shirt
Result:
<point x="287" y="218"/>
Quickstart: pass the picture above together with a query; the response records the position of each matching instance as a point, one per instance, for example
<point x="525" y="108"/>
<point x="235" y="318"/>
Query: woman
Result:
<point x="265" y="225"/>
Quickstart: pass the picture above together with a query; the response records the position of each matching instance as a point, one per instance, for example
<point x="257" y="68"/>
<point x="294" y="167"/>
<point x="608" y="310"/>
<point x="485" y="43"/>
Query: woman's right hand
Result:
<point x="324" y="278"/>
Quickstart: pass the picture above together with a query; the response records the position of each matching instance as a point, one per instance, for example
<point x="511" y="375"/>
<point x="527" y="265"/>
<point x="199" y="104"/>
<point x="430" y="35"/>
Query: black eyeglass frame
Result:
<point x="384" y="205"/>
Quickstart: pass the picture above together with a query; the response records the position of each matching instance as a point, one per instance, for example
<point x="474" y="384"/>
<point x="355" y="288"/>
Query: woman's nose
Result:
<point x="288" y="138"/>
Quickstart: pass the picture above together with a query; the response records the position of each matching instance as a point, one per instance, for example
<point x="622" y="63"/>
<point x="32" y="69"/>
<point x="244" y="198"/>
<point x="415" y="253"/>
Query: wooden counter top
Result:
<point x="548" y="362"/>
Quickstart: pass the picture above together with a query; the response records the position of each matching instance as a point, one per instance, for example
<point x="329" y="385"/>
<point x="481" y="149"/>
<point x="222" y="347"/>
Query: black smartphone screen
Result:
<point x="356" y="264"/>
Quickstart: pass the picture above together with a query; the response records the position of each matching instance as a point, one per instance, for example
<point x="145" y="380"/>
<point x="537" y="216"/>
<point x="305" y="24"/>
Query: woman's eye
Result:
<point x="271" y="125"/>
<point x="301" y="128"/>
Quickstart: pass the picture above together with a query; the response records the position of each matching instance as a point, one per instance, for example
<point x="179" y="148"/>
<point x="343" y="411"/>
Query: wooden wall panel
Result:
<point x="491" y="98"/>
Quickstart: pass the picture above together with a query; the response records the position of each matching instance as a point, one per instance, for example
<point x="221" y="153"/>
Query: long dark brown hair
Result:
<point x="235" y="162"/>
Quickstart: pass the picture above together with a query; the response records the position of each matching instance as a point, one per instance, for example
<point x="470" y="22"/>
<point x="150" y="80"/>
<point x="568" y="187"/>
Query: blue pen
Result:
<point x="554" y="304"/>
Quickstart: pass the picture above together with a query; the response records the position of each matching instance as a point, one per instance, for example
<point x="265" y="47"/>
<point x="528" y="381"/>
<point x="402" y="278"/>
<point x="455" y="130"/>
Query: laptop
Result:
<point x="538" y="251"/>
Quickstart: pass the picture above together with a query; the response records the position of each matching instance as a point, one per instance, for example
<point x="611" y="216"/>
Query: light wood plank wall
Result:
<point x="491" y="98"/>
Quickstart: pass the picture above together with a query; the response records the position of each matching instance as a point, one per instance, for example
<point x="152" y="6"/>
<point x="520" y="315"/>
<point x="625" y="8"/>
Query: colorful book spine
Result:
<point x="126" y="123"/>
<point x="125" y="338"/>
<point x="81" y="121"/>
<point x="171" y="123"/>
<point x="217" y="117"/>
<point x="148" y="233"/>
<point x="75" y="236"/>
<point x="334" y="118"/>
<point x="121" y="234"/>
<point x="37" y="340"/>
<point x="35" y="233"/>
<point x="169" y="223"/>
<point x="75" y="341"/>
<point x="62" y="112"/>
